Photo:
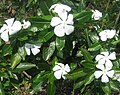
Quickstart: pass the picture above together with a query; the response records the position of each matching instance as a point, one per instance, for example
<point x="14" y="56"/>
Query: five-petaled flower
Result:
<point x="105" y="72"/>
<point x="105" y="58"/>
<point x="63" y="24"/>
<point x="31" y="47"/>
<point x="107" y="34"/>
<point x="60" y="8"/>
<point x="60" y="70"/>
<point x="11" y="27"/>
<point x="96" y="14"/>
<point x="26" y="24"/>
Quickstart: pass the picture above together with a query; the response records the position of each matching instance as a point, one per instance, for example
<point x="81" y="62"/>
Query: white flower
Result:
<point x="96" y="14"/>
<point x="58" y="8"/>
<point x="117" y="77"/>
<point x="34" y="48"/>
<point x="61" y="70"/>
<point x="11" y="27"/>
<point x="26" y="24"/>
<point x="105" y="58"/>
<point x="63" y="24"/>
<point x="104" y="72"/>
<point x="107" y="34"/>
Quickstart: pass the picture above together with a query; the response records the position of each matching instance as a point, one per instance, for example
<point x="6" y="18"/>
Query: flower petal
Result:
<point x="70" y="19"/>
<point x="101" y="61"/>
<point x="98" y="57"/>
<point x="111" y="34"/>
<point x="56" y="67"/>
<point x="67" y="68"/>
<point x="15" y="28"/>
<point x="108" y="64"/>
<point x="97" y="74"/>
<point x="105" y="53"/>
<point x="35" y="51"/>
<point x="59" y="31"/>
<point x="61" y="65"/>
<point x="58" y="74"/>
<point x="69" y="29"/>
<point x="55" y="21"/>
<point x="63" y="15"/>
<point x="101" y="67"/>
<point x="110" y="73"/>
<point x="105" y="79"/>
<point x="3" y="28"/>
<point x="10" y="21"/>
<point x="5" y="36"/>
<point x="112" y="56"/>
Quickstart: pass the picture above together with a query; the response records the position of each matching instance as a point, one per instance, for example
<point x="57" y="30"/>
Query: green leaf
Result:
<point x="79" y="84"/>
<point x="76" y="74"/>
<point x="89" y="78"/>
<point x="88" y="64"/>
<point x="106" y="89"/>
<point x="73" y="66"/>
<point x="60" y="43"/>
<point x="6" y="50"/>
<point x="83" y="17"/>
<point x="47" y="36"/>
<point x="1" y="89"/>
<point x="86" y="55"/>
<point x="22" y="52"/>
<point x="95" y="47"/>
<point x="15" y="60"/>
<point x="48" y="51"/>
<point x="39" y="81"/>
<point x="51" y="89"/>
<point x="24" y="66"/>
<point x="114" y="86"/>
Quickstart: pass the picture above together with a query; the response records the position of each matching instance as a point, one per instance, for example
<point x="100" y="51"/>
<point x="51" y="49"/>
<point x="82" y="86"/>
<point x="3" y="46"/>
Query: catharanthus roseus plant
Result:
<point x="59" y="47"/>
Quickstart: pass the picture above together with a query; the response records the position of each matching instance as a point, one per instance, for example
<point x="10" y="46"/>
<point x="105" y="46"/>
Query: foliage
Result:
<point x="21" y="73"/>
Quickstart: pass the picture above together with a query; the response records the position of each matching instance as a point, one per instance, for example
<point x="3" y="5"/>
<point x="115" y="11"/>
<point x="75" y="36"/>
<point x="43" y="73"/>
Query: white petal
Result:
<point x="27" y="50"/>
<point x="108" y="64"/>
<point x="63" y="15"/>
<point x="67" y="8"/>
<point x="111" y="34"/>
<point x="103" y="38"/>
<point x="67" y="68"/>
<point x="70" y="19"/>
<point x="53" y="6"/>
<point x="29" y="46"/>
<point x="10" y="21"/>
<point x="35" y="51"/>
<point x="112" y="56"/>
<point x="102" y="33"/>
<point x="4" y="36"/>
<point x="98" y="57"/>
<point x="58" y="74"/>
<point x="69" y="29"/>
<point x="61" y="8"/>
<point x="26" y="24"/>
<point x="105" y="79"/>
<point x="97" y="74"/>
<point x="55" y="21"/>
<point x="15" y="28"/>
<point x="3" y="28"/>
<point x="64" y="73"/>
<point x="101" y="61"/>
<point x="101" y="67"/>
<point x="61" y="65"/>
<point x="56" y="67"/>
<point x="110" y="73"/>
<point x="105" y="53"/>
<point x="59" y="30"/>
